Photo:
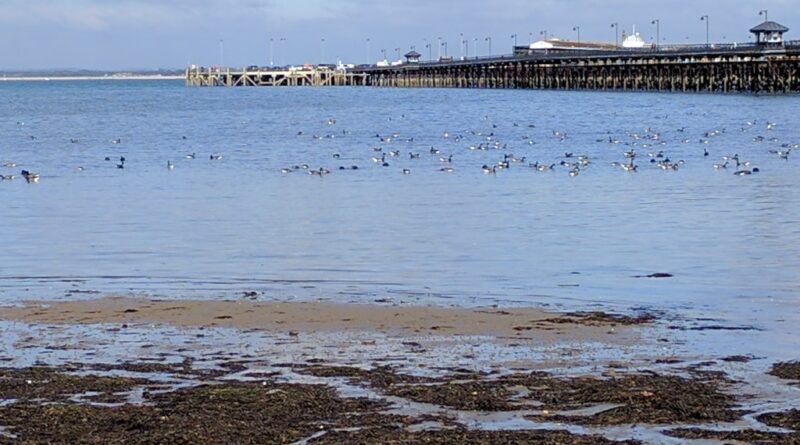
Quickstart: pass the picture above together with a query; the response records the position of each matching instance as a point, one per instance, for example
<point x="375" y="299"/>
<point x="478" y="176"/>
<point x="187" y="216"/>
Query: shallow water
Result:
<point x="214" y="228"/>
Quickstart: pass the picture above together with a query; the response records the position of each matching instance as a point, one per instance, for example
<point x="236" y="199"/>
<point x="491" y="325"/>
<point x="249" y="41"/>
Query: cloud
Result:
<point x="309" y="10"/>
<point x="103" y="14"/>
<point x="84" y="14"/>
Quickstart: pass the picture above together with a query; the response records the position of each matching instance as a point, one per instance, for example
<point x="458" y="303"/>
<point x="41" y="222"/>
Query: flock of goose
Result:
<point x="647" y="147"/>
<point x="638" y="149"/>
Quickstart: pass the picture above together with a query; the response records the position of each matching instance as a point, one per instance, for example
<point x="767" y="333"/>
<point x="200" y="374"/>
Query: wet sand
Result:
<point x="317" y="316"/>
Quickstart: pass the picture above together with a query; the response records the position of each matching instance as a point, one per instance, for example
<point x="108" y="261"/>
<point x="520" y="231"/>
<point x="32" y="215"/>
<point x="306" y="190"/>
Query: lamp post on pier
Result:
<point x="765" y="13"/>
<point x="369" y="49"/>
<point x="397" y="50"/>
<point x="530" y="35"/>
<point x="322" y="51"/>
<point x="461" y="42"/>
<point x="708" y="38"/>
<point x="477" y="50"/>
<point x="282" y="41"/>
<point x="271" y="52"/>
<point x="489" y="39"/>
<point x="439" y="51"/>
<point x="444" y="45"/>
<point x="221" y="53"/>
<point x="383" y="52"/>
<point x="578" y="29"/>
<point x="657" y="22"/>
<point x="543" y="33"/>
<point x="615" y="25"/>
<point x="430" y="51"/>
<point x="514" y="38"/>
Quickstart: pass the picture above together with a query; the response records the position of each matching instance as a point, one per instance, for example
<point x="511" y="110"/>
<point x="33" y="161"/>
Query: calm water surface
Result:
<point x="214" y="228"/>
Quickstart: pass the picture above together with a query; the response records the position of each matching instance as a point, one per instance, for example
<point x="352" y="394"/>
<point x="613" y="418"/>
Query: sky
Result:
<point x="150" y="34"/>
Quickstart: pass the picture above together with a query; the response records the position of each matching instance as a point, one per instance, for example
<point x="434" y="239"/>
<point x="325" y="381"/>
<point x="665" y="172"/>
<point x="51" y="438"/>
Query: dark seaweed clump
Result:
<point x="789" y="420"/>
<point x="600" y="319"/>
<point x="786" y="370"/>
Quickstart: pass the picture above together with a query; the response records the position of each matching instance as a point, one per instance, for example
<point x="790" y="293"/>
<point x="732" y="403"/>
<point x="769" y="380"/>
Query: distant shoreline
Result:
<point x="67" y="78"/>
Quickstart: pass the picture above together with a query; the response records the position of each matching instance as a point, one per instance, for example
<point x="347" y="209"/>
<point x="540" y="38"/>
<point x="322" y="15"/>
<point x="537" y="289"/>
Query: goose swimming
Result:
<point x="29" y="176"/>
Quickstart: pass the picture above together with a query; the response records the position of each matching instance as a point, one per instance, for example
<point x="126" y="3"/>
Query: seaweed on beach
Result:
<point x="646" y="398"/>
<point x="788" y="419"/>
<point x="262" y="412"/>
<point x="636" y="398"/>
<point x="600" y="319"/>
<point x="183" y="369"/>
<point x="786" y="370"/>
<point x="743" y="436"/>
<point x="137" y="367"/>
<point x="380" y="377"/>
<point x="48" y="384"/>
<point x="461" y="437"/>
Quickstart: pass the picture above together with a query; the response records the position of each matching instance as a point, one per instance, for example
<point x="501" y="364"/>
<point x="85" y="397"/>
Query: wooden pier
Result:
<point x="258" y="77"/>
<point x="748" y="68"/>
<point x="770" y="65"/>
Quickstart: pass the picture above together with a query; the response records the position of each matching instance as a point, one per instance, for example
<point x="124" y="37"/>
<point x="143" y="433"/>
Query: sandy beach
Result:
<point x="317" y="372"/>
<point x="316" y="316"/>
